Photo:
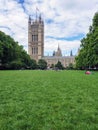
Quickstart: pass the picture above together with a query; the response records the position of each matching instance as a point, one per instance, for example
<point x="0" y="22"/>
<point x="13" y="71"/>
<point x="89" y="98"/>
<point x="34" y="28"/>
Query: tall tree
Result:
<point x="12" y="56"/>
<point x="88" y="55"/>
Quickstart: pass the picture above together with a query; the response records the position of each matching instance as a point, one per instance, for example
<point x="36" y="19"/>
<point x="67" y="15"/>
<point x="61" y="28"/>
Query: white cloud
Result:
<point x="70" y="18"/>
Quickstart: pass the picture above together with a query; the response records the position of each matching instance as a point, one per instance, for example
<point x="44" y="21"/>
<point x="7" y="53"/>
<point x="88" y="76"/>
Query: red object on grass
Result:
<point x="87" y="72"/>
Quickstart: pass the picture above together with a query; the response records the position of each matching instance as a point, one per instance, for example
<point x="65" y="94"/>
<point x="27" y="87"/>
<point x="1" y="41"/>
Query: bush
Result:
<point x="16" y="65"/>
<point x="42" y="64"/>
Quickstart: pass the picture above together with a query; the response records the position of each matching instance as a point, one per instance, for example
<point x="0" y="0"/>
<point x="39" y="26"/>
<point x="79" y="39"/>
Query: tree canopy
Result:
<point x="42" y="64"/>
<point x="88" y="55"/>
<point x="12" y="55"/>
<point x="59" y="65"/>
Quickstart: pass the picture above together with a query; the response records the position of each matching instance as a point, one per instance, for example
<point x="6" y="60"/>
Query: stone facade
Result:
<point x="36" y="45"/>
<point x="65" y="60"/>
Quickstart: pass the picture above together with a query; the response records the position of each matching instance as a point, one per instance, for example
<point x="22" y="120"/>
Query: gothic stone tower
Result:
<point x="36" y="38"/>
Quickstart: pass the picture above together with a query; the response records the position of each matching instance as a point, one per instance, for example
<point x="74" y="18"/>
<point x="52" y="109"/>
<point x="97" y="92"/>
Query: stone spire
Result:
<point x="71" y="54"/>
<point x="58" y="52"/>
<point x="53" y="53"/>
<point x="29" y="21"/>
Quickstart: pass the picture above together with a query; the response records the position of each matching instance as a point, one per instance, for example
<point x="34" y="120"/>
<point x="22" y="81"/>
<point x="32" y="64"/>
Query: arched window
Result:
<point x="34" y="38"/>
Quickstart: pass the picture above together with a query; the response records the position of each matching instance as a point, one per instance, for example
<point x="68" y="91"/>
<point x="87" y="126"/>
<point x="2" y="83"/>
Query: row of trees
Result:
<point x="57" y="66"/>
<point x="88" y="55"/>
<point x="61" y="67"/>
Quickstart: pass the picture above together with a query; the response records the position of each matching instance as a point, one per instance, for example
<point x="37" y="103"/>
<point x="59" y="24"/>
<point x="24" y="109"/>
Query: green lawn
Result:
<point x="48" y="100"/>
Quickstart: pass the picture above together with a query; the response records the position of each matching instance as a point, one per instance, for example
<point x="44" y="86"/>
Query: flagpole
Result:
<point x="36" y="14"/>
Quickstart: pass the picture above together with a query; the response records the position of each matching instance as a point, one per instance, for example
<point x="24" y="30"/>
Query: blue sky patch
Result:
<point x="20" y="1"/>
<point x="49" y="21"/>
<point x="78" y="37"/>
<point x="5" y="27"/>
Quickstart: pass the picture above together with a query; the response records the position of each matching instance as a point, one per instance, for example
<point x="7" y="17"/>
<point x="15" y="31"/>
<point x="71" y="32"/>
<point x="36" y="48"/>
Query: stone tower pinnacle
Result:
<point x="71" y="54"/>
<point x="58" y="53"/>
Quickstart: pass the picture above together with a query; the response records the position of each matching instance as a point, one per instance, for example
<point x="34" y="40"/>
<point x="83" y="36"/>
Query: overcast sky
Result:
<point x="66" y="21"/>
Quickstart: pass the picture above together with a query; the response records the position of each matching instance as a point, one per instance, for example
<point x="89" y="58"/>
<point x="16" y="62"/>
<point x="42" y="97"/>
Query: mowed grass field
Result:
<point x="48" y="100"/>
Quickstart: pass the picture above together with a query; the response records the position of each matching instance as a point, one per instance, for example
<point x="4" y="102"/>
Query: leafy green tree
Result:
<point x="34" y="64"/>
<point x="88" y="55"/>
<point x="59" y="65"/>
<point x="1" y="50"/>
<point x="12" y="54"/>
<point x="42" y="64"/>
